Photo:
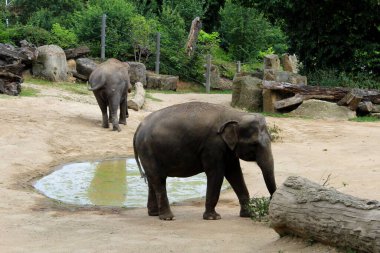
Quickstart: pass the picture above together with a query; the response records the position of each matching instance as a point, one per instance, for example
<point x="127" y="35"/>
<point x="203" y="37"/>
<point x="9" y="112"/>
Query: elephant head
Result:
<point x="248" y="137"/>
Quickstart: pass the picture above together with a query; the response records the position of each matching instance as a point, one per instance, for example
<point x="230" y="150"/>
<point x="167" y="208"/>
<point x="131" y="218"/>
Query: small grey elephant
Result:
<point x="110" y="83"/>
<point x="186" y="139"/>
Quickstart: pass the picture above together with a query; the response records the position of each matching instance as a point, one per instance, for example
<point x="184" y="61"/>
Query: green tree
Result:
<point x="119" y="15"/>
<point x="329" y="34"/>
<point x="63" y="37"/>
<point x="246" y="32"/>
<point x="60" y="11"/>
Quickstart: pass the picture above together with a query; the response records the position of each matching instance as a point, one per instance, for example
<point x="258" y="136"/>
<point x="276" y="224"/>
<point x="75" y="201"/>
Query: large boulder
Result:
<point x="137" y="73"/>
<point x="51" y="63"/>
<point x="247" y="93"/>
<point x="161" y="82"/>
<point x="318" y="109"/>
<point x="85" y="66"/>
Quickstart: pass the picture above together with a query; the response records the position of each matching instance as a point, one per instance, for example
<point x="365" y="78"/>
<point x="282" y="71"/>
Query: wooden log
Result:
<point x="288" y="102"/>
<point x="74" y="53"/>
<point x="352" y="99"/>
<point x="137" y="102"/>
<point x="329" y="94"/>
<point x="308" y="210"/>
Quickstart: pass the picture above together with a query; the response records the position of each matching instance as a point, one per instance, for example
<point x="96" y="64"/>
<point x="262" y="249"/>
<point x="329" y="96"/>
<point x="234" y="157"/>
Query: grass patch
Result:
<point x="365" y="119"/>
<point x="274" y="132"/>
<point x="258" y="208"/>
<point x="76" y="88"/>
<point x="276" y="115"/>
<point x="29" y="92"/>
<point x="150" y="96"/>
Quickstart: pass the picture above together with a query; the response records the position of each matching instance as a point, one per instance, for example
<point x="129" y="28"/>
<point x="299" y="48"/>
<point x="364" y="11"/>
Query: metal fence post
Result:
<point x="238" y="66"/>
<point x="103" y="38"/>
<point x="157" y="70"/>
<point x="208" y="73"/>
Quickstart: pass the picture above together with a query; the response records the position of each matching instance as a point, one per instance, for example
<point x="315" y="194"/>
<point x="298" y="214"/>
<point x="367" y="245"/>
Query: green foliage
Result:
<point x="37" y="36"/>
<point x="259" y="208"/>
<point x="329" y="34"/>
<point x="274" y="132"/>
<point x="246" y="32"/>
<point x="63" y="37"/>
<point x="4" y="34"/>
<point x="119" y="14"/>
<point x="208" y="41"/>
<point x="29" y="92"/>
<point x="364" y="119"/>
<point x="336" y="78"/>
<point x="187" y="9"/>
<point x="142" y="35"/>
<point x="51" y="11"/>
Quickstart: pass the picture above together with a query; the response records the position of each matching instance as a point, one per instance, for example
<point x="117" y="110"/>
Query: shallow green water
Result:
<point x="115" y="182"/>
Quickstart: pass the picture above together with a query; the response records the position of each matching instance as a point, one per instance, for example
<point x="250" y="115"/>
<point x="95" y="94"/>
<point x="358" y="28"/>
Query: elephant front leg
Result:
<point x="235" y="177"/>
<point x="214" y="185"/>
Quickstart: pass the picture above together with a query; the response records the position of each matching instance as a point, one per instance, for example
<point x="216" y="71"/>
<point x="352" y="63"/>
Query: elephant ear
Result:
<point x="229" y="133"/>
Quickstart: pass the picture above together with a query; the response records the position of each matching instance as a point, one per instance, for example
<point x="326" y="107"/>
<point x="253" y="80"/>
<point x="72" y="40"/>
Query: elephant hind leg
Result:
<point x="103" y="107"/>
<point x="159" y="189"/>
<point x="152" y="204"/>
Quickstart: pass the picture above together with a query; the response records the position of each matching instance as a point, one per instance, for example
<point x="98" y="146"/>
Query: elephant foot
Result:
<point x="167" y="216"/>
<point x="116" y="128"/>
<point x="244" y="213"/>
<point x="124" y="122"/>
<point x="153" y="213"/>
<point x="105" y="125"/>
<point x="211" y="216"/>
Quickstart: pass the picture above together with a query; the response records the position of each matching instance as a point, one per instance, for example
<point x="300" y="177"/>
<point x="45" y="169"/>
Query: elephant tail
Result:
<point x="143" y="175"/>
<point x="91" y="88"/>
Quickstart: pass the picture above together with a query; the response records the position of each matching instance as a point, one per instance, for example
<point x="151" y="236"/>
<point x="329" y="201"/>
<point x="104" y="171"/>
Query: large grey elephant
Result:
<point x="186" y="139"/>
<point x="110" y="83"/>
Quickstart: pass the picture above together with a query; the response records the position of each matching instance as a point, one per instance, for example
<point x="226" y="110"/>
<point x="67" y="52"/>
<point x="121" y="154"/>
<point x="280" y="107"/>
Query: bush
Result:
<point x="118" y="40"/>
<point x="245" y="32"/>
<point x="63" y="37"/>
<point x="336" y="78"/>
<point x="32" y="34"/>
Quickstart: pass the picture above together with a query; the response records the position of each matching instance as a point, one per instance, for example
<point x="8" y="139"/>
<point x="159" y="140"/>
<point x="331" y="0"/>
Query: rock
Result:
<point x="271" y="61"/>
<point x="269" y="99"/>
<point x="215" y="78"/>
<point x="318" y="109"/>
<point x="376" y="114"/>
<point x="289" y="63"/>
<point x="51" y="63"/>
<point x="137" y="73"/>
<point x="289" y="77"/>
<point x="247" y="93"/>
<point x="161" y="82"/>
<point x="85" y="66"/>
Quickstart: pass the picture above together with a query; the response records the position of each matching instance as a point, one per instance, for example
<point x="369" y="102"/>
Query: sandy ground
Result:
<point x="39" y="133"/>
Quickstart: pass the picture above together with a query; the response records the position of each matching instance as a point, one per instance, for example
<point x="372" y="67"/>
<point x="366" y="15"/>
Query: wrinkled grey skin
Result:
<point x="186" y="139"/>
<point x="110" y="83"/>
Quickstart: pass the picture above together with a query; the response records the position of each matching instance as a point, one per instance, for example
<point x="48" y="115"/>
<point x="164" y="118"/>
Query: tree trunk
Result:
<point x="138" y="100"/>
<point x="324" y="93"/>
<point x="196" y="26"/>
<point x="306" y="209"/>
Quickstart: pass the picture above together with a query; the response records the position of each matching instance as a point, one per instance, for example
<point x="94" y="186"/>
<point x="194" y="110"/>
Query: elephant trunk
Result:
<point x="266" y="164"/>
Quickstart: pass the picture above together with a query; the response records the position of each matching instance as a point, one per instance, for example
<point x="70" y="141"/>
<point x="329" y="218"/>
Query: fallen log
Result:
<point x="73" y="53"/>
<point x="137" y="102"/>
<point x="325" y="93"/>
<point x="352" y="99"/>
<point x="308" y="210"/>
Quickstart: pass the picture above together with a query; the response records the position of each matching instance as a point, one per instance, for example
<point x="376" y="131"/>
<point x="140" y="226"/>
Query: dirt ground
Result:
<point x="39" y="133"/>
